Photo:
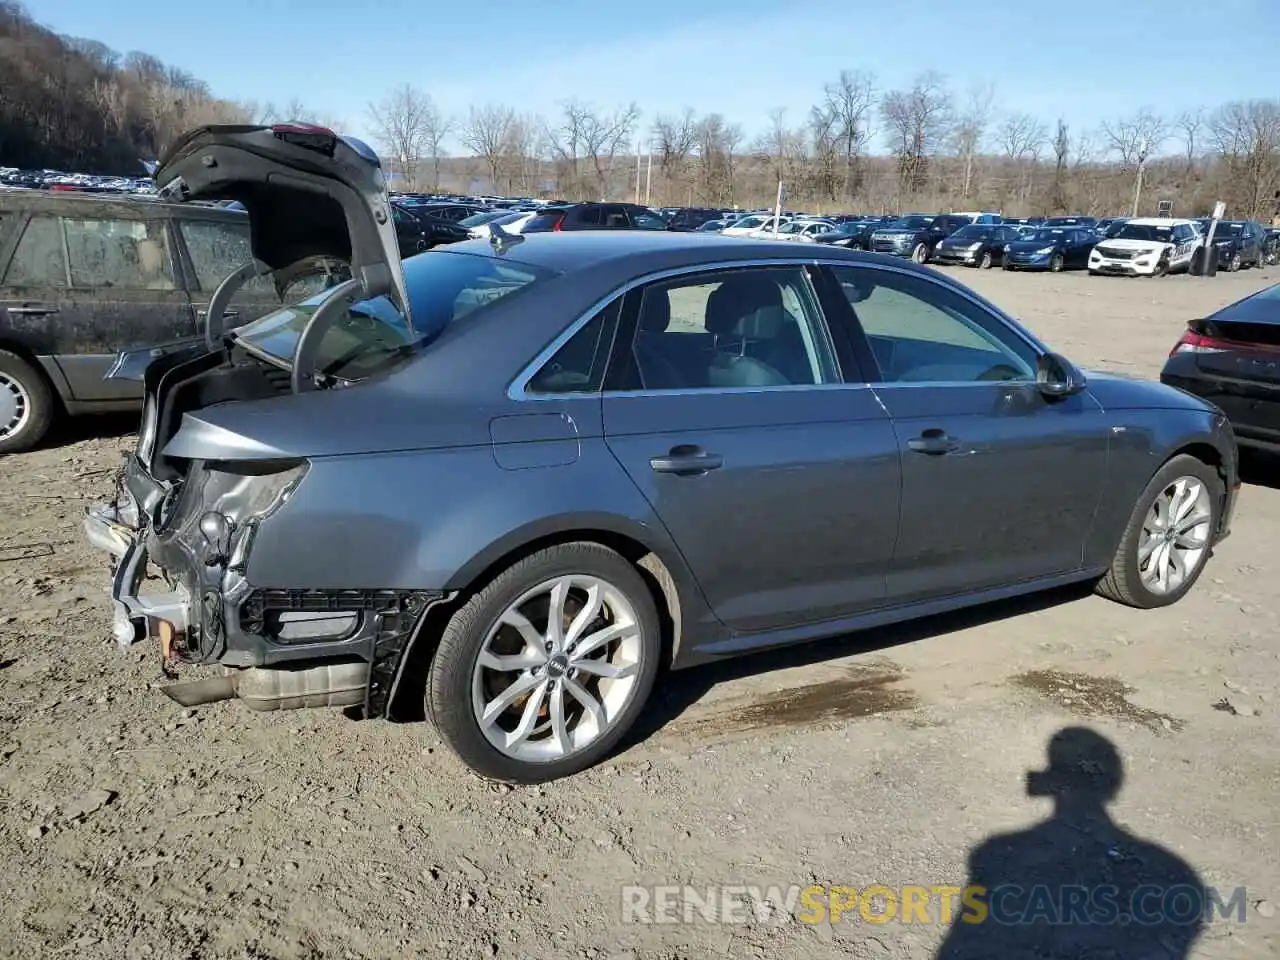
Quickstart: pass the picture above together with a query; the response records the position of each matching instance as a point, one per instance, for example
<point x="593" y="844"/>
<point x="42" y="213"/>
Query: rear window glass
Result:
<point x="216" y="249"/>
<point x="543" y="221"/>
<point x="443" y="289"/>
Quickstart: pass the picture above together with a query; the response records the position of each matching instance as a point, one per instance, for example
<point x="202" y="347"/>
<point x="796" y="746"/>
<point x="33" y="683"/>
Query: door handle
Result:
<point x="226" y="313"/>
<point x="30" y="311"/>
<point x="933" y="442"/>
<point x="686" y="461"/>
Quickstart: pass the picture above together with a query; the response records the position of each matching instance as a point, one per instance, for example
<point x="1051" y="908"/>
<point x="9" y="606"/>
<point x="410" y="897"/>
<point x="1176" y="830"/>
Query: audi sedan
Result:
<point x="515" y="479"/>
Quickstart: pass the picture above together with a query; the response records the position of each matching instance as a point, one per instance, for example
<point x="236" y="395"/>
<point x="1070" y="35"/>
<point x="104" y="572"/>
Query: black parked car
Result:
<point x="916" y="235"/>
<point x="1051" y="248"/>
<point x="1240" y="243"/>
<point x="692" y="218"/>
<point x="1232" y="359"/>
<point x="1108" y="227"/>
<point x="595" y="216"/>
<point x="977" y="245"/>
<point x="855" y="234"/>
<point x="432" y="230"/>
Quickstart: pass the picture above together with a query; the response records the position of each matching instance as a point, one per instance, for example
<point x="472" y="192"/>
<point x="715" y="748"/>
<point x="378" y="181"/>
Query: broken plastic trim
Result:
<point x="215" y="313"/>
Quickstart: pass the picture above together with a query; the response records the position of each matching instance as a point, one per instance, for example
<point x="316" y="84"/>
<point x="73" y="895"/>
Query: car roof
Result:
<point x="107" y="204"/>
<point x="1159" y="221"/>
<point x="651" y="249"/>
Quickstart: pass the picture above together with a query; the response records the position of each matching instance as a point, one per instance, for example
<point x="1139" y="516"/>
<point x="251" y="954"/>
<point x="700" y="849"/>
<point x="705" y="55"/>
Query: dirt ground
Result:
<point x="130" y="827"/>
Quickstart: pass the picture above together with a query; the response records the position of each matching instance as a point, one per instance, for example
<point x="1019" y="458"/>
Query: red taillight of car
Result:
<point x="559" y="227"/>
<point x="1193" y="342"/>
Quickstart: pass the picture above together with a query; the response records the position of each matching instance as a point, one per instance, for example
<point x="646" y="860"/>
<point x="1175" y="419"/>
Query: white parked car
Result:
<point x="512" y="222"/>
<point x="1147" y="247"/>
<point x="753" y="222"/>
<point x="803" y="230"/>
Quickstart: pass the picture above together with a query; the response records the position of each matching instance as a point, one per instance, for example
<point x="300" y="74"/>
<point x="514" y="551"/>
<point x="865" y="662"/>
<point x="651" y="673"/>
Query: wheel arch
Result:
<point x="655" y="559"/>
<point x="18" y="346"/>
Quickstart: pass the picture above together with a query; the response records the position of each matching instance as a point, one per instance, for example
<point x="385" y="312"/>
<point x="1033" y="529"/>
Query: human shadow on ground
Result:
<point x="1078" y="884"/>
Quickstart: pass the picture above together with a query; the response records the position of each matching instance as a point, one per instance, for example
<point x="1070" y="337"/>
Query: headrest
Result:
<point x="655" y="311"/>
<point x="737" y="299"/>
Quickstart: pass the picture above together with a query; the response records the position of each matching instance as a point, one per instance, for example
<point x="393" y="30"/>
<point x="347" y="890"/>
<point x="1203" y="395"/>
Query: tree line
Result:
<point x="922" y="146"/>
<point x="74" y="104"/>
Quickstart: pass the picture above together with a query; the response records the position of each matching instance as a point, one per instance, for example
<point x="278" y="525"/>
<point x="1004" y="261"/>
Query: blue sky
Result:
<point x="1083" y="62"/>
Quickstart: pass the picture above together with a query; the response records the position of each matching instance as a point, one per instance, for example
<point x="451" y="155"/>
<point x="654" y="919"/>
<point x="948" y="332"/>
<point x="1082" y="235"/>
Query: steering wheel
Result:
<point x="1001" y="371"/>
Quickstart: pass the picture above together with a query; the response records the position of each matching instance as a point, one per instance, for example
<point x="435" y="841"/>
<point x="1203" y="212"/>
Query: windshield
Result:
<point x="711" y="225"/>
<point x="444" y="288"/>
<point x="973" y="231"/>
<point x="1142" y="231"/>
<point x="909" y="223"/>
<point x="1224" y="229"/>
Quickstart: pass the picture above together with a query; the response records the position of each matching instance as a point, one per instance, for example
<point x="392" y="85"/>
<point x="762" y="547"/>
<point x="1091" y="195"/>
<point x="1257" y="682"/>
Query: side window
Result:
<point x="579" y="365"/>
<point x="119" y="254"/>
<point x="218" y="248"/>
<point x="38" y="261"/>
<point x="752" y="328"/>
<point x="922" y="332"/>
<point x="647" y="221"/>
<point x="588" y="216"/>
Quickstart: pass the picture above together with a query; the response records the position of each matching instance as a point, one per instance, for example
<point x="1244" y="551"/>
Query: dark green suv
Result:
<point x="84" y="276"/>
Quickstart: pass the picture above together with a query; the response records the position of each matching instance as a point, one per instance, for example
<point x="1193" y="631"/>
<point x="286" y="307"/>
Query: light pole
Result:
<point x="1143" y="148"/>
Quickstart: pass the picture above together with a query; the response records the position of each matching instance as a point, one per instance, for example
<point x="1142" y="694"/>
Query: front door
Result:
<point x="999" y="483"/>
<point x="777" y="481"/>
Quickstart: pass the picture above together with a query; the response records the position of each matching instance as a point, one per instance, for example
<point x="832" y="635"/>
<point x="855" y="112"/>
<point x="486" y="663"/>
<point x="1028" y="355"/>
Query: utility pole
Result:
<point x="648" y="178"/>
<point x="637" y="173"/>
<point x="1143" y="148"/>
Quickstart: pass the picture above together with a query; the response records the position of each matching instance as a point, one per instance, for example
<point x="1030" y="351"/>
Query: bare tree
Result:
<point x="1061" y="150"/>
<point x="971" y="128"/>
<point x="674" y="140"/>
<point x="402" y="122"/>
<point x="1191" y="123"/>
<point x="717" y="143"/>
<point x="1247" y="137"/>
<point x="849" y="103"/>
<point x="588" y="134"/>
<point x="1135" y="138"/>
<point x="487" y="134"/>
<point x="916" y="118"/>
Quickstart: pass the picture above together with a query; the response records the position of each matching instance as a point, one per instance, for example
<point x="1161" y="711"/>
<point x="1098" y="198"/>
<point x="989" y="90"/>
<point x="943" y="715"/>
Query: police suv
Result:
<point x="1147" y="247"/>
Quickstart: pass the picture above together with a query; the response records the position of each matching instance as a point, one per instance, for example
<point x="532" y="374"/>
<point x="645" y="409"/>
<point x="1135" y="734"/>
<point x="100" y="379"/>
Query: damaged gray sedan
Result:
<point x="513" y="479"/>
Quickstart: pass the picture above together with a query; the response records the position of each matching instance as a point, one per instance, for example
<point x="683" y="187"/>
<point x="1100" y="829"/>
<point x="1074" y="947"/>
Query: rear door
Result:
<point x="36" y="307"/>
<point x="776" y="476"/>
<point x="126" y="285"/>
<point x="211" y="248"/>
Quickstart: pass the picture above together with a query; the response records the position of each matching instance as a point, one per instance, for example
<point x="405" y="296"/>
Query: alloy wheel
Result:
<point x="1175" y="535"/>
<point x="557" y="669"/>
<point x="15" y="406"/>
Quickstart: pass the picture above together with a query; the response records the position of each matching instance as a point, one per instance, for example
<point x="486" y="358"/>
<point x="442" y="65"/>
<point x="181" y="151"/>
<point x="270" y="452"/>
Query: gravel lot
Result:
<point x="132" y="828"/>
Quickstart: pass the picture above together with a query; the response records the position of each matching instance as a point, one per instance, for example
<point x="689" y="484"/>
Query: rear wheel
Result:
<point x="542" y="672"/>
<point x="27" y="404"/>
<point x="1169" y="536"/>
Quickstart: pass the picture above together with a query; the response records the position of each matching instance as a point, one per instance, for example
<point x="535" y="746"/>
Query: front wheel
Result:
<point x="1056" y="263"/>
<point x="1235" y="263"/>
<point x="921" y="253"/>
<point x="541" y="673"/>
<point x="986" y="261"/>
<point x="1169" y="537"/>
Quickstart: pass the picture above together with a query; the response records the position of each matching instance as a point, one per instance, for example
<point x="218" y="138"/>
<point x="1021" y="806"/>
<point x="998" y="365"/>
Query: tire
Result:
<point x="27" y="404"/>
<point x="921" y="253"/>
<point x="456" y="678"/>
<point x="1056" y="263"/>
<point x="986" y="262"/>
<point x="1124" y="581"/>
<point x="1006" y="265"/>
<point x="1235" y="263"/>
<point x="1162" y="269"/>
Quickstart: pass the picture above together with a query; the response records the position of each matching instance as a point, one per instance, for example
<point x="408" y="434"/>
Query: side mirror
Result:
<point x="1056" y="376"/>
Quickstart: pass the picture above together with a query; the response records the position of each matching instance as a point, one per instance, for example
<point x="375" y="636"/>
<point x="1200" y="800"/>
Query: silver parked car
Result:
<point x="517" y="477"/>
